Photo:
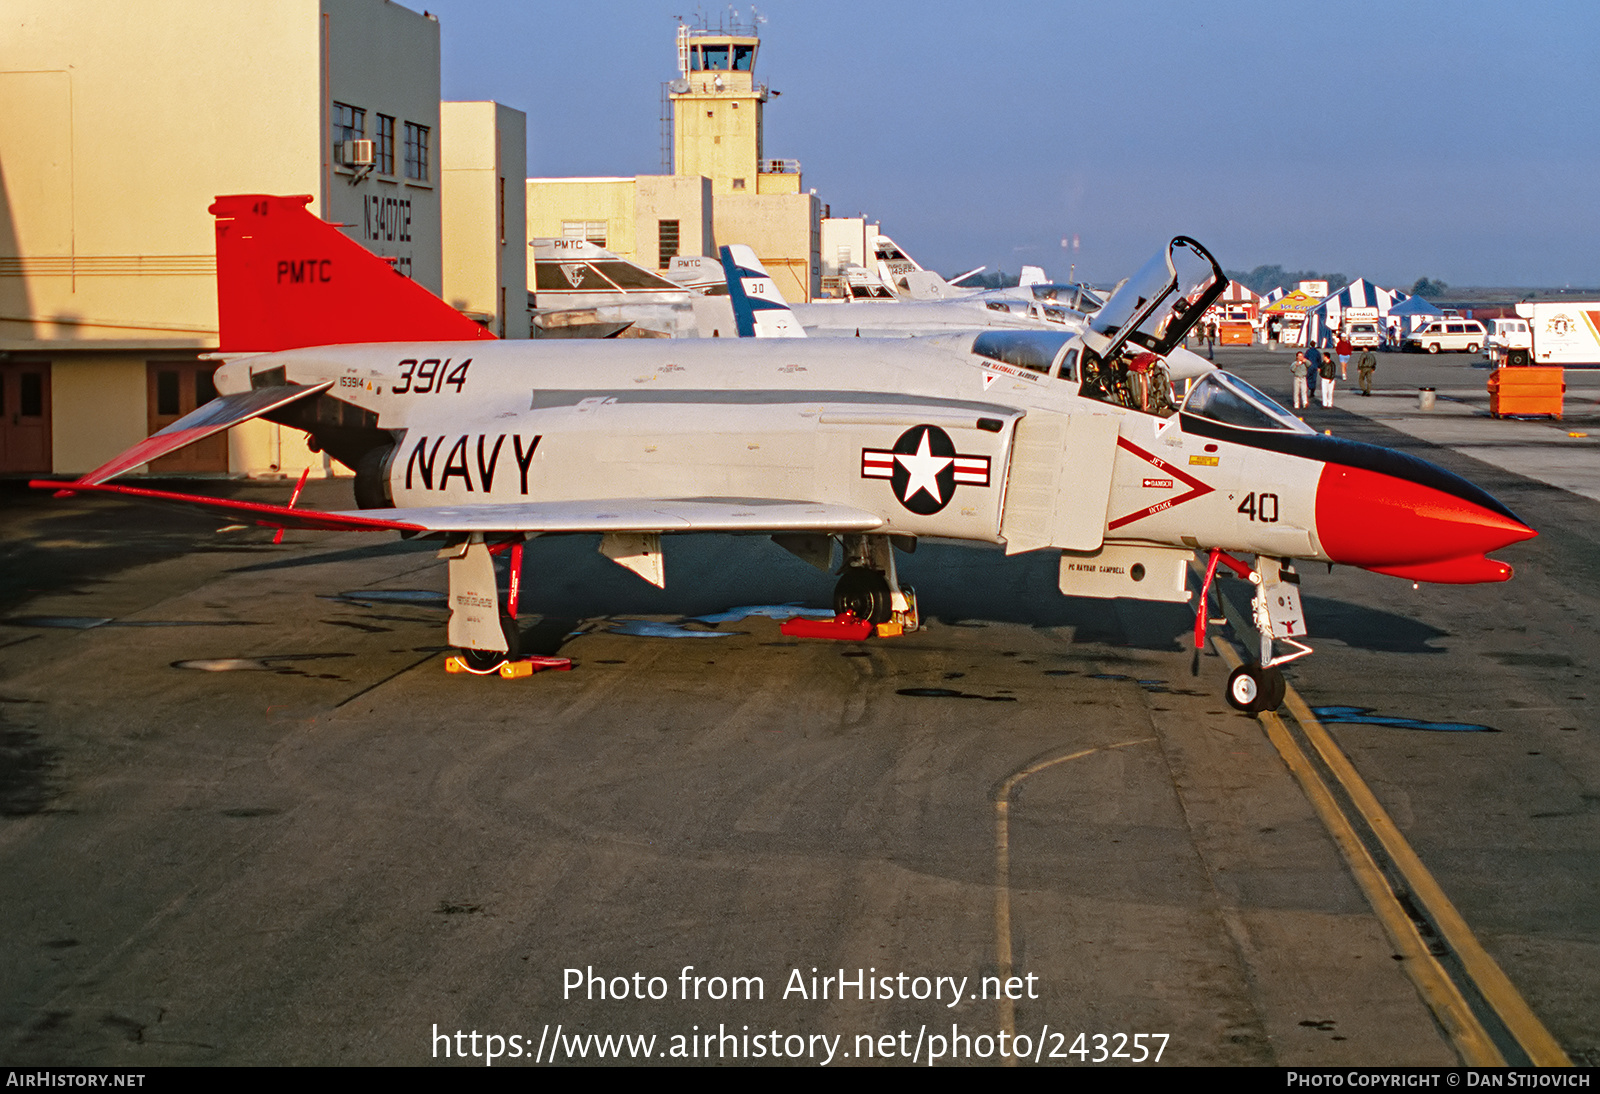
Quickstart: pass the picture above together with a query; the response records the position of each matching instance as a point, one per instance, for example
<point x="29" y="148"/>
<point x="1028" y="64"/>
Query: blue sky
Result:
<point x="1459" y="141"/>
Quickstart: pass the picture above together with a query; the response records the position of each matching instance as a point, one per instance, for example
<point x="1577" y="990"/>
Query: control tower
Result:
<point x="717" y="108"/>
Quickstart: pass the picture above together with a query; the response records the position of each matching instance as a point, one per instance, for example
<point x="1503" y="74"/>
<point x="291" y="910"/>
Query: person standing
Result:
<point x="1366" y="364"/>
<point x="1344" y="349"/>
<point x="1329" y="373"/>
<point x="1300" y="369"/>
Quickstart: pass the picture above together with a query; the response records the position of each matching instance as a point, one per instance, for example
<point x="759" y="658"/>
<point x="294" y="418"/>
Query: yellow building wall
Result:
<point x="784" y="231"/>
<point x="120" y="124"/>
<point x="672" y="197"/>
<point x="778" y="184"/>
<point x="484" y="169"/>
<point x="552" y="201"/>
<point x="718" y="135"/>
<point x="116" y="140"/>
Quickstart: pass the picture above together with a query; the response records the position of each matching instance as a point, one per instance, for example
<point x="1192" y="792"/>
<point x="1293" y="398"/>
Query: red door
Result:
<point x="176" y="388"/>
<point x="25" y="416"/>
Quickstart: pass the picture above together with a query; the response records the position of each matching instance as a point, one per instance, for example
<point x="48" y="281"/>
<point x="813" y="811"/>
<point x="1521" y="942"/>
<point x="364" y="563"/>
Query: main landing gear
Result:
<point x="1278" y="618"/>
<point x="486" y="635"/>
<point x="869" y="588"/>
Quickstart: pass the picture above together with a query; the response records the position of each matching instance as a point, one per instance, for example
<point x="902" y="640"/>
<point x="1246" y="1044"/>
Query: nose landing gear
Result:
<point x="1277" y="617"/>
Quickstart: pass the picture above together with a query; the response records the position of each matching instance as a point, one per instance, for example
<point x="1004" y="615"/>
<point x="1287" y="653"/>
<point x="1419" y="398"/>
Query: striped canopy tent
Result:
<point x="1236" y="298"/>
<point x="1360" y="293"/>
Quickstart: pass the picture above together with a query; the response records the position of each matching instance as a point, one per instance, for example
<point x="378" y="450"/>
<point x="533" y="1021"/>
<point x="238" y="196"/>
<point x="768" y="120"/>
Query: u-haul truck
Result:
<point x="1565" y="332"/>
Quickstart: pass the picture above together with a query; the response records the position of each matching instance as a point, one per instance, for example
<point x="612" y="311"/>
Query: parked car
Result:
<point x="1449" y="335"/>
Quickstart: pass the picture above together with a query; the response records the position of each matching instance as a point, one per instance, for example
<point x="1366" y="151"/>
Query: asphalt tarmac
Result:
<point x="246" y="816"/>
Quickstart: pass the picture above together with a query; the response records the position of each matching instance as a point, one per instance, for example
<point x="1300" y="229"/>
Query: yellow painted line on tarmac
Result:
<point x="1433" y="982"/>
<point x="1002" y="873"/>
<point x="1492" y="983"/>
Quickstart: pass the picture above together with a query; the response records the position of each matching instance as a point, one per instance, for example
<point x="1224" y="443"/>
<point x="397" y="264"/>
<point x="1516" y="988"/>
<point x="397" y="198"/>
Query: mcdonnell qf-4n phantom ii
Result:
<point x="1076" y="443"/>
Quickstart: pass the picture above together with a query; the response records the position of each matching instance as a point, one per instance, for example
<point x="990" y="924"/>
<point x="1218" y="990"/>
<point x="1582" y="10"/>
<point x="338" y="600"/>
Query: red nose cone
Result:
<point x="1395" y="526"/>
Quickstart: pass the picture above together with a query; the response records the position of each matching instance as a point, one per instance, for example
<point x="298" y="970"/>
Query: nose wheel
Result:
<point x="1256" y="688"/>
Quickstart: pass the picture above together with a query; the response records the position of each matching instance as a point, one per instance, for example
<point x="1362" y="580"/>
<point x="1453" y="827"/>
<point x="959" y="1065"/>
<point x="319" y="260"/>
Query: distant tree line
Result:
<point x="1263" y="279"/>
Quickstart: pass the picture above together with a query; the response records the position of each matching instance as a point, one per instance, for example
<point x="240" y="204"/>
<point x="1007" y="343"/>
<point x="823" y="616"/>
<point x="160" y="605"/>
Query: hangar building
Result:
<point x="124" y="122"/>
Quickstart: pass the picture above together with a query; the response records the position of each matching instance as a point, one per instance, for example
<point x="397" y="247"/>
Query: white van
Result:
<point x="1448" y="335"/>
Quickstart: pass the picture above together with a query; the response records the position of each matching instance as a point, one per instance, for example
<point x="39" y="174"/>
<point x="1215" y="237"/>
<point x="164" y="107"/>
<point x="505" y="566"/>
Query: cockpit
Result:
<point x="1080" y="298"/>
<point x="1136" y="379"/>
<point x="1227" y="400"/>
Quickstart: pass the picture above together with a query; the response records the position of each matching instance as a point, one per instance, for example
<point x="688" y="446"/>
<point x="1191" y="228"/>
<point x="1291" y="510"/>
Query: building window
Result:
<point x="416" y="152"/>
<point x="349" y="124"/>
<point x="738" y="184"/>
<point x="383" y="144"/>
<point x="500" y="215"/>
<point x="667" y="238"/>
<point x="593" y="231"/>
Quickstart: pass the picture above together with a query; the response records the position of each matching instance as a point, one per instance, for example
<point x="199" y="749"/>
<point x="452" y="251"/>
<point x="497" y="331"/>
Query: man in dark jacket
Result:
<point x="1329" y="371"/>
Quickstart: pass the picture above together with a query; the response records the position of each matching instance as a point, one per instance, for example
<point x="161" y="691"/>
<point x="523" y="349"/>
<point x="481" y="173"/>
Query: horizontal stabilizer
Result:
<point x="214" y="417"/>
<point x="267" y="516"/>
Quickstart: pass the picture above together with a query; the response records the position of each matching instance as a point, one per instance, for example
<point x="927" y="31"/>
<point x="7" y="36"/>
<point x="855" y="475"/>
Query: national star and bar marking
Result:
<point x="922" y="468"/>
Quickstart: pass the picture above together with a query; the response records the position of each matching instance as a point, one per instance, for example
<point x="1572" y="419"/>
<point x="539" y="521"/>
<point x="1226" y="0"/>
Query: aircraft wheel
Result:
<point x="864" y="594"/>
<point x="489" y="660"/>
<point x="1254" y="689"/>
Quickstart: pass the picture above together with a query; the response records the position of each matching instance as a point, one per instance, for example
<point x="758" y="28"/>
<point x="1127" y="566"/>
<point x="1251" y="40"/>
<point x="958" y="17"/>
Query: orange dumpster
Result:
<point x="1531" y="389"/>
<point x="1234" y="332"/>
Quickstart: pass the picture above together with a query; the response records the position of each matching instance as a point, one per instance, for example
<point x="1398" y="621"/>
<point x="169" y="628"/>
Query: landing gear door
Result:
<point x="474" y="599"/>
<point x="1280" y="596"/>
<point x="1060" y="481"/>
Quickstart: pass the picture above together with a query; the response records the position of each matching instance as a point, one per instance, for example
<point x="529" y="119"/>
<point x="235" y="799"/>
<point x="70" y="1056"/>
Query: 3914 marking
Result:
<point x="421" y="377"/>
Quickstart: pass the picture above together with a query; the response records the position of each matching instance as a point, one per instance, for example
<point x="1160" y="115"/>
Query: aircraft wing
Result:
<point x="538" y="517"/>
<point x="639" y="515"/>
<point x="217" y="415"/>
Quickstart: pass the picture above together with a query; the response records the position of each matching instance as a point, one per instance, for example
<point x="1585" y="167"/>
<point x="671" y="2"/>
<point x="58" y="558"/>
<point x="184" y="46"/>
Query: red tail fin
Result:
<point x="286" y="279"/>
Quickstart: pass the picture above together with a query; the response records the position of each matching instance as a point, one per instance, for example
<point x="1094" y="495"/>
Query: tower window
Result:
<point x="738" y="184"/>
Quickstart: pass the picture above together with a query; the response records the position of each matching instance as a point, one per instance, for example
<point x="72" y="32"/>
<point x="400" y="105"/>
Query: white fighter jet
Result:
<point x="1027" y="440"/>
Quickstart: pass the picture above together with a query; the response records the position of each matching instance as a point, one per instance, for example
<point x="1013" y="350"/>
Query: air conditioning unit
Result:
<point x="356" y="153"/>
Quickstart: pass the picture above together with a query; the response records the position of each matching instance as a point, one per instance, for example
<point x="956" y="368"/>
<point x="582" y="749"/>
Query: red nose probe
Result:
<point x="1395" y="526"/>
